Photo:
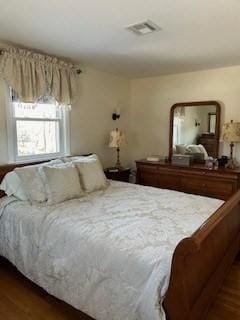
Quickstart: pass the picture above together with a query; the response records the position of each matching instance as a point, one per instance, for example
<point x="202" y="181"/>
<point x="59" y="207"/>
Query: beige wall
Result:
<point x="152" y="98"/>
<point x="91" y="122"/>
<point x="145" y="110"/>
<point x="91" y="117"/>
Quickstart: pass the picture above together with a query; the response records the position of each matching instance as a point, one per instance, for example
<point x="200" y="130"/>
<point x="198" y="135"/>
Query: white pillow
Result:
<point x="62" y="183"/>
<point x="12" y="186"/>
<point x="32" y="181"/>
<point x="79" y="158"/>
<point x="194" y="148"/>
<point x="91" y="175"/>
<point x="204" y="151"/>
<point x="181" y="148"/>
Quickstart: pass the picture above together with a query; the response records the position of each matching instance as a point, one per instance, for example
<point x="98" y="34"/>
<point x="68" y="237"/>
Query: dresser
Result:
<point x="209" y="143"/>
<point x="196" y="179"/>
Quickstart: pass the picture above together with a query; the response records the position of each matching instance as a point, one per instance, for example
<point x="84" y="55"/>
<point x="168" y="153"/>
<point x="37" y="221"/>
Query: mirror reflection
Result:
<point x="194" y="131"/>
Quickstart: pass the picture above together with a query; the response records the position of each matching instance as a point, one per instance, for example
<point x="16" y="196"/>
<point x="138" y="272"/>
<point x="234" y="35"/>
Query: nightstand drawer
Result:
<point x="121" y="175"/>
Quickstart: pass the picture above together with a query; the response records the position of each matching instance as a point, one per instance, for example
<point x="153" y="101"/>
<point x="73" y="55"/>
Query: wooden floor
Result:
<point x="22" y="300"/>
<point x="227" y="304"/>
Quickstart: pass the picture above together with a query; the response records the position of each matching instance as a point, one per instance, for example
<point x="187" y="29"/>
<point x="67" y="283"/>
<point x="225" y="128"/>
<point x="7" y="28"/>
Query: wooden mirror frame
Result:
<point x="194" y="104"/>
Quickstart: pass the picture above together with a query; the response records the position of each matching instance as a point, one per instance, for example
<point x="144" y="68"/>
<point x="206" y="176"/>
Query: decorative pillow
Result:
<point x="204" y="151"/>
<point x="32" y="181"/>
<point x="79" y="158"/>
<point x="12" y="186"/>
<point x="194" y="148"/>
<point x="62" y="183"/>
<point x="91" y="174"/>
<point x="181" y="148"/>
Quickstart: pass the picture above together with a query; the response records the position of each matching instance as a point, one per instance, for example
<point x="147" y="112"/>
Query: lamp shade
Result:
<point x="117" y="139"/>
<point x="231" y="132"/>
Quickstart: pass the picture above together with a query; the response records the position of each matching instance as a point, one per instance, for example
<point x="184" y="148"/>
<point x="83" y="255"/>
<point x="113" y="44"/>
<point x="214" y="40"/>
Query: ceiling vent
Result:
<point x="143" y="28"/>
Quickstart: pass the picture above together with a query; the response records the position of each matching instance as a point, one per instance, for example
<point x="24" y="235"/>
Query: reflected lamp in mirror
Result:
<point x="231" y="134"/>
<point x="117" y="140"/>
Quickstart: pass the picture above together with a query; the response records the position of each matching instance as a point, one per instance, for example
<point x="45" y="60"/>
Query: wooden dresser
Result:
<point x="197" y="179"/>
<point x="209" y="143"/>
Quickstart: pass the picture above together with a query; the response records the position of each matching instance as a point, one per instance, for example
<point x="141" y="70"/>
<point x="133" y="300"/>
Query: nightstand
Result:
<point x="120" y="175"/>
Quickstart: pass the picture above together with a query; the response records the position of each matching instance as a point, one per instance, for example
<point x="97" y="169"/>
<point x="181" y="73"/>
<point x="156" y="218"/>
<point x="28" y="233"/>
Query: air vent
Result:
<point x="143" y="28"/>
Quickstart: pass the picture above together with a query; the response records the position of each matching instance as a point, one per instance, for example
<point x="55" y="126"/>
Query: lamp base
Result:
<point x="230" y="163"/>
<point x="118" y="163"/>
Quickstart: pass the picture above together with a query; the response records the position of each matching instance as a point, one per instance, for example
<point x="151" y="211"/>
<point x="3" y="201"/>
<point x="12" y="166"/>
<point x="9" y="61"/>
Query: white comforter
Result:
<point x="107" y="254"/>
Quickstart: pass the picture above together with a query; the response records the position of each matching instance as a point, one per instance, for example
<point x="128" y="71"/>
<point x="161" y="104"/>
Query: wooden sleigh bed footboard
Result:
<point x="201" y="262"/>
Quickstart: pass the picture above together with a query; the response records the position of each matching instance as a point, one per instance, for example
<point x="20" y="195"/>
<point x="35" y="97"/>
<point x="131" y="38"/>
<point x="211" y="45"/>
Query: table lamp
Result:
<point x="117" y="140"/>
<point x="231" y="134"/>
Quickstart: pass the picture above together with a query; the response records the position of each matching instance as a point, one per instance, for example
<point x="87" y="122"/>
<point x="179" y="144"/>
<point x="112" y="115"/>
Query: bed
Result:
<point x="151" y="276"/>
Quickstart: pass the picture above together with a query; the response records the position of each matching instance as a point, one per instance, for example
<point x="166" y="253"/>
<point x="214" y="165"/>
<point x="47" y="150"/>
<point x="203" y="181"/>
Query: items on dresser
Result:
<point x="218" y="182"/>
<point x="182" y="160"/>
<point x="222" y="161"/>
<point x="153" y="158"/>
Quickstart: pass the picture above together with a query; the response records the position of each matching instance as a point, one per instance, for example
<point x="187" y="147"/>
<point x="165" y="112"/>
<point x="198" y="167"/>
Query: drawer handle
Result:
<point x="204" y="184"/>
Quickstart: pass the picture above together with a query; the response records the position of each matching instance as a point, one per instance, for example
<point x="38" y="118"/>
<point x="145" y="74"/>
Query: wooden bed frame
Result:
<point x="200" y="262"/>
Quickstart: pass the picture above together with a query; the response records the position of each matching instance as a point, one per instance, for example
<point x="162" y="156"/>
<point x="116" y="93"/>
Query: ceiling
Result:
<point x="196" y="34"/>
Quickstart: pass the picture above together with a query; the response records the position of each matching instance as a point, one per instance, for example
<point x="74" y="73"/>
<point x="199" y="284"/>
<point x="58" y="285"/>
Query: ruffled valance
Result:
<point x="33" y="75"/>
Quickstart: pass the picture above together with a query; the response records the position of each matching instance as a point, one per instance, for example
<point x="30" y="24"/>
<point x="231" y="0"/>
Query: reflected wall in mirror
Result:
<point x="212" y="122"/>
<point x="194" y="129"/>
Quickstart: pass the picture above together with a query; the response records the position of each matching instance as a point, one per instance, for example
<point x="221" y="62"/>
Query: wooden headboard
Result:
<point x="4" y="169"/>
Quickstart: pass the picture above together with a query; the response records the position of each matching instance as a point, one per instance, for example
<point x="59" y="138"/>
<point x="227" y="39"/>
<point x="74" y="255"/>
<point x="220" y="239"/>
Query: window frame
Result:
<point x="63" y="140"/>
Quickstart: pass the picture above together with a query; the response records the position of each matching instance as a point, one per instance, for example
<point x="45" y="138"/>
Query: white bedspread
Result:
<point x="107" y="254"/>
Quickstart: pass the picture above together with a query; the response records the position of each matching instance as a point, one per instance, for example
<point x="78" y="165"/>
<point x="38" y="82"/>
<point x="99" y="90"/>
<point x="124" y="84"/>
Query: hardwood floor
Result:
<point x="22" y="300"/>
<point x="227" y="304"/>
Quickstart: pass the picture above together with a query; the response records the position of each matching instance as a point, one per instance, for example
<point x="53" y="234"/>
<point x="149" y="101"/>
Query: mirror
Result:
<point x="194" y="129"/>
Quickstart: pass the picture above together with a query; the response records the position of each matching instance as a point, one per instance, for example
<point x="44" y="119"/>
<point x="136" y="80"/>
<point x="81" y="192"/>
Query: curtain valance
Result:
<point x="33" y="75"/>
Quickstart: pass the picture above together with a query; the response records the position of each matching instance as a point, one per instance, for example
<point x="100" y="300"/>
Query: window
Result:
<point x="37" y="131"/>
<point x="177" y="125"/>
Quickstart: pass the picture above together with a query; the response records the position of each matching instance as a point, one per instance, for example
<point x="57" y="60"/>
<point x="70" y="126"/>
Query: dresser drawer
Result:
<point x="147" y="175"/>
<point x="168" y="181"/>
<point x="208" y="174"/>
<point x="193" y="185"/>
<point x="221" y="189"/>
<point x="196" y="179"/>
